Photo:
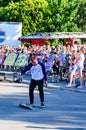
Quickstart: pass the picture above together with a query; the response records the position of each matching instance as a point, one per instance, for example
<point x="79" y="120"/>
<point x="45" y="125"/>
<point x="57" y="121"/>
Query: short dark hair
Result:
<point x="33" y="57"/>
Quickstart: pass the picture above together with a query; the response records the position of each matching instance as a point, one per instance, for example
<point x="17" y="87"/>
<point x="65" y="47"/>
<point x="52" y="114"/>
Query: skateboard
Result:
<point x="25" y="105"/>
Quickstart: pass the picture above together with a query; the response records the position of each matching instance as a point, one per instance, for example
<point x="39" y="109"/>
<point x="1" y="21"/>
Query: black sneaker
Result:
<point x="42" y="104"/>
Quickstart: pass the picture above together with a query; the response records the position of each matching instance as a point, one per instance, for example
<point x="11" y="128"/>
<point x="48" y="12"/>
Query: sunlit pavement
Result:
<point x="65" y="108"/>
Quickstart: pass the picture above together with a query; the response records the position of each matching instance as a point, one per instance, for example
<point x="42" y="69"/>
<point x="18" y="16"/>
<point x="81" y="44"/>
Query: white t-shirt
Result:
<point x="81" y="59"/>
<point x="36" y="72"/>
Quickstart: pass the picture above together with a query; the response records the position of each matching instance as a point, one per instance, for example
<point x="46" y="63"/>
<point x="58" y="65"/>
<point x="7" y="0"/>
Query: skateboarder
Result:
<point x="38" y="78"/>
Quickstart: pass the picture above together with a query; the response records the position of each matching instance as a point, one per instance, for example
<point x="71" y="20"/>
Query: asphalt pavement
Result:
<point x="65" y="107"/>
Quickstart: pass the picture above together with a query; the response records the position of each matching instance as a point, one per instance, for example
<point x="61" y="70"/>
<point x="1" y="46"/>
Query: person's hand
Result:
<point x="19" y="74"/>
<point x="45" y="84"/>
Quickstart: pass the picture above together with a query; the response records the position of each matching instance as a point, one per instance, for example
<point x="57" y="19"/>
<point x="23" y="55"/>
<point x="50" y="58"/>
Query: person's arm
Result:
<point x="44" y="73"/>
<point x="43" y="70"/>
<point x="78" y="59"/>
<point x="26" y="68"/>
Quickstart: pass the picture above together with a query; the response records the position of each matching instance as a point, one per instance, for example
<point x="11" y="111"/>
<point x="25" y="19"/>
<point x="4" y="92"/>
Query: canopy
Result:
<point x="35" y="41"/>
<point x="42" y="37"/>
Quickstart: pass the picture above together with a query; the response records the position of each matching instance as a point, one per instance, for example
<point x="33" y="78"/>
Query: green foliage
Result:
<point x="6" y="2"/>
<point x="45" y="15"/>
<point x="53" y="42"/>
<point x="81" y="20"/>
<point x="63" y="15"/>
<point x="32" y="14"/>
<point x="27" y="44"/>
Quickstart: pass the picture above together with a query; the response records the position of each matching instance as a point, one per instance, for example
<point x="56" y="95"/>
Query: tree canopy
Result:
<point x="45" y="15"/>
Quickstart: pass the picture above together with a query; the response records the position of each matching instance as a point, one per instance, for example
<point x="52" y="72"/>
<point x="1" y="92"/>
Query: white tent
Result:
<point x="53" y="35"/>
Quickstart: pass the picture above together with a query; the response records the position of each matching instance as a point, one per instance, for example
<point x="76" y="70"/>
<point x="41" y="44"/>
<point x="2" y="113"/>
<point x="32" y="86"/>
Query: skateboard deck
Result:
<point x="25" y="105"/>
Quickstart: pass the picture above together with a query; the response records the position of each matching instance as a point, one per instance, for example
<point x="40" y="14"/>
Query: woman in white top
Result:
<point x="72" y="69"/>
<point x="80" y="65"/>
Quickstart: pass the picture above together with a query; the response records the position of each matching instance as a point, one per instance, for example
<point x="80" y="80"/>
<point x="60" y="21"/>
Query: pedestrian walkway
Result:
<point x="53" y="85"/>
<point x="63" y="85"/>
<point x="59" y="85"/>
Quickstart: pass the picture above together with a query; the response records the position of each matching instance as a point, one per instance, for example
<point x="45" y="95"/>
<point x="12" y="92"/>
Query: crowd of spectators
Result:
<point x="63" y="55"/>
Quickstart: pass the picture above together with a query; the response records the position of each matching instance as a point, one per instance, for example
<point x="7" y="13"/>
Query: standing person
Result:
<point x="72" y="68"/>
<point x="55" y="67"/>
<point x="38" y="78"/>
<point x="80" y="65"/>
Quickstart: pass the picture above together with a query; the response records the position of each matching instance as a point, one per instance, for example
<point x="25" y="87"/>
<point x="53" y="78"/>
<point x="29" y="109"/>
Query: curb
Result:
<point x="62" y="87"/>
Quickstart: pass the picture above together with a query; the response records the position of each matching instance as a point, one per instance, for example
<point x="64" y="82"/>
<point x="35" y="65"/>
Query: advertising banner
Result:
<point x="22" y="60"/>
<point x="10" y="33"/>
<point x="2" y="58"/>
<point x="10" y="59"/>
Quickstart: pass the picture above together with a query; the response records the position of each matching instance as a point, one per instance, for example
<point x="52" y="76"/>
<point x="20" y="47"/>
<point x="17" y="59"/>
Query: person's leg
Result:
<point x="64" y="71"/>
<point x="72" y="74"/>
<point x="31" y="90"/>
<point x="53" y="76"/>
<point x="40" y="88"/>
<point x="81" y="78"/>
<point x="60" y="72"/>
<point x="57" y="73"/>
<point x="53" y="72"/>
<point x="74" y="79"/>
<point x="71" y="77"/>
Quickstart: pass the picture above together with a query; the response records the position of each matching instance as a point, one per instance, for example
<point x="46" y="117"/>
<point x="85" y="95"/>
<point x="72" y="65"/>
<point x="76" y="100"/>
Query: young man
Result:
<point x="38" y="78"/>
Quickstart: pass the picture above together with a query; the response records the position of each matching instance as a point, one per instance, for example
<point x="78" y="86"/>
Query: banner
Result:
<point x="10" y="59"/>
<point x="10" y="33"/>
<point x="49" y="63"/>
<point x="22" y="60"/>
<point x="2" y="36"/>
<point x="2" y="58"/>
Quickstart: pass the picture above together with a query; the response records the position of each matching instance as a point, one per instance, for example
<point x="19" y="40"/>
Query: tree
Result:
<point x="6" y="2"/>
<point x="32" y="14"/>
<point x="81" y="20"/>
<point x="63" y="15"/>
<point x="44" y="15"/>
